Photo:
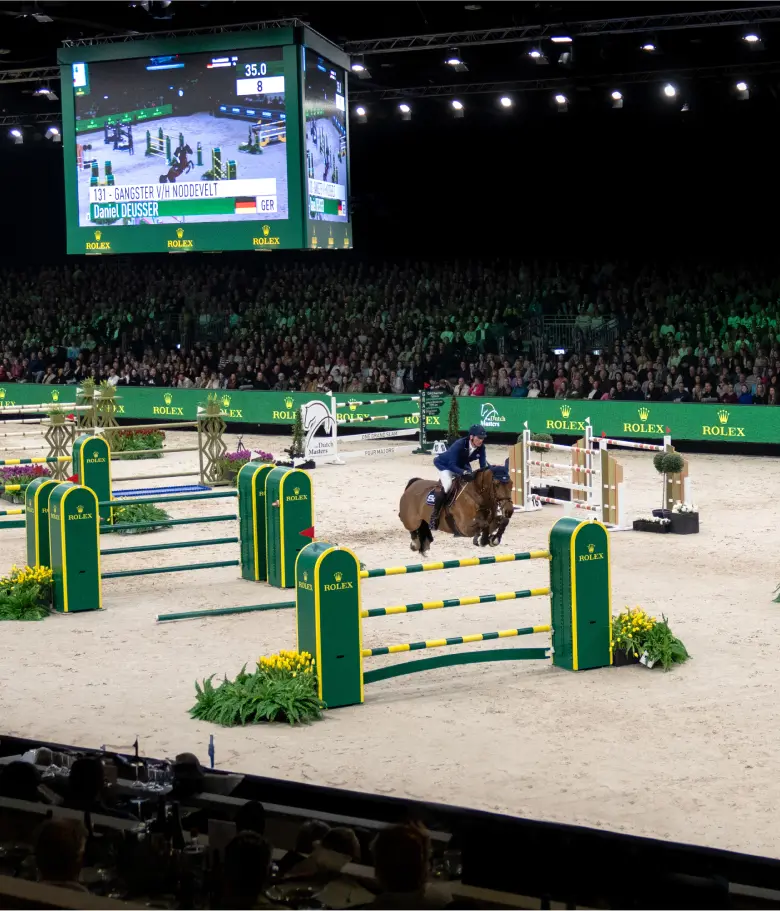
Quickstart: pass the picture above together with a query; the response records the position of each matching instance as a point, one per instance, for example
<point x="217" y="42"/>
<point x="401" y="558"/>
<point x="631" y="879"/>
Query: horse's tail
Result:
<point x="410" y="483"/>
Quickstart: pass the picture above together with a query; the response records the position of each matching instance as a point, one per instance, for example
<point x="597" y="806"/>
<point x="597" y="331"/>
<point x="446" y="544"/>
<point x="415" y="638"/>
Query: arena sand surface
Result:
<point x="688" y="755"/>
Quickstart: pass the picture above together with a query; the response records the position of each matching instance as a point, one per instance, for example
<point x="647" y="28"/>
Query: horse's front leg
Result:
<point x="481" y="529"/>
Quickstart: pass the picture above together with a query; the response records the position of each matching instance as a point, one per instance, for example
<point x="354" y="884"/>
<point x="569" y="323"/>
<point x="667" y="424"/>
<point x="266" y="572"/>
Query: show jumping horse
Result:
<point x="479" y="509"/>
<point x="180" y="164"/>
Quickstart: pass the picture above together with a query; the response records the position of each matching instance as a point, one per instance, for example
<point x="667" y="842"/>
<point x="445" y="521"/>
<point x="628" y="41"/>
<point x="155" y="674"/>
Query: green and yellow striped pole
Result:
<point x="11" y="512"/>
<point x="11" y="488"/>
<point x="453" y="640"/>
<point x="38" y="460"/>
<point x="453" y="602"/>
<point x="453" y="564"/>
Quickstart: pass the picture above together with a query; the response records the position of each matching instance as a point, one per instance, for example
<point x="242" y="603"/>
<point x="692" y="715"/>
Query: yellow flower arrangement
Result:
<point x="25" y="593"/>
<point x="635" y="632"/>
<point x="289" y="663"/>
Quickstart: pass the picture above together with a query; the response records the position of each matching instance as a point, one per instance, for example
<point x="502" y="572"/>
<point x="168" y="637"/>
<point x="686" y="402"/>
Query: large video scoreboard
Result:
<point x="225" y="142"/>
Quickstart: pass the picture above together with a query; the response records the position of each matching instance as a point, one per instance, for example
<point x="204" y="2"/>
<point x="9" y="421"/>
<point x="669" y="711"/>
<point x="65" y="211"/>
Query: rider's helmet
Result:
<point x="477" y="430"/>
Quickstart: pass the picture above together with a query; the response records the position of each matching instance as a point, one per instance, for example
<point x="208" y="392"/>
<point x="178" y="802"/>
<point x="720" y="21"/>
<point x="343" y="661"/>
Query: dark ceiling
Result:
<point x="695" y="41"/>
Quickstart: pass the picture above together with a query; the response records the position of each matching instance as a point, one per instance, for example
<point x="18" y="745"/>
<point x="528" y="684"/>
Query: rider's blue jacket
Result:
<point x="458" y="457"/>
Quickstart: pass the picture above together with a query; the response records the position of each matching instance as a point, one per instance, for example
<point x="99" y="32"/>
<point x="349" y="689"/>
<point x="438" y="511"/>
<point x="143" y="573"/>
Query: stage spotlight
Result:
<point x="54" y="134"/>
<point x="360" y="114"/>
<point x="649" y="47"/>
<point x="563" y="103"/>
<point x="743" y="92"/>
<point x="617" y="99"/>
<point x="405" y="111"/>
<point x="360" y="69"/>
<point x="538" y="57"/>
<point x="560" y="39"/>
<point x="752" y="38"/>
<point x="457" y="108"/>
<point x="505" y="101"/>
<point x="456" y="63"/>
<point x="16" y="134"/>
<point x="669" y="90"/>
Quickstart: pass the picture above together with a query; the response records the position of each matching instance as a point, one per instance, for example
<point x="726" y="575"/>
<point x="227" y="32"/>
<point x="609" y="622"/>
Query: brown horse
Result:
<point x="479" y="509"/>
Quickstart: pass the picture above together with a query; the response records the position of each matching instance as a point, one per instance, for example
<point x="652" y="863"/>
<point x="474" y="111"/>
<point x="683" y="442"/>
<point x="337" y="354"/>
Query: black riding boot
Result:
<point x="433" y="522"/>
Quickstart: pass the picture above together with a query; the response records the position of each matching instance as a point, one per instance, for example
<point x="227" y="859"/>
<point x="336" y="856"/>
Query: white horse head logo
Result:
<point x="489" y="415"/>
<point x="316" y="416"/>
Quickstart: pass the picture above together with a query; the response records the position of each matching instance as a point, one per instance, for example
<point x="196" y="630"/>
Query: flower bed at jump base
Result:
<point x="137" y="444"/>
<point x="12" y="475"/>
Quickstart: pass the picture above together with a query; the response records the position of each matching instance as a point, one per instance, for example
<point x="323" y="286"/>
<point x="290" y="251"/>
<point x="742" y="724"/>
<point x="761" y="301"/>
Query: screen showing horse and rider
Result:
<point x="184" y="138"/>
<point x="325" y="128"/>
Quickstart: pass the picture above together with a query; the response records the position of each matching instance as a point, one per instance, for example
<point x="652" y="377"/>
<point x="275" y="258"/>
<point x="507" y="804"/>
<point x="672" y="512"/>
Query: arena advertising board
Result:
<point x="632" y="420"/>
<point x="196" y="144"/>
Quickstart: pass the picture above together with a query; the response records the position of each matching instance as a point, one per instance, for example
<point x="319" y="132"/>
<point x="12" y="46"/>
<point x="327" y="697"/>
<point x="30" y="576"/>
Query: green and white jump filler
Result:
<point x="289" y="510"/>
<point x="329" y="613"/>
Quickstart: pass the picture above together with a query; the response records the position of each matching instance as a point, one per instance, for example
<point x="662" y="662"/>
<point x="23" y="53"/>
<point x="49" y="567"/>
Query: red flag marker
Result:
<point x="74" y="479"/>
<point x="603" y="434"/>
<point x="307" y="533"/>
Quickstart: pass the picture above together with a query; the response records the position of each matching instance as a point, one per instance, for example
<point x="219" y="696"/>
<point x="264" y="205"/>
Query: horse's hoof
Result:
<point x="494" y="542"/>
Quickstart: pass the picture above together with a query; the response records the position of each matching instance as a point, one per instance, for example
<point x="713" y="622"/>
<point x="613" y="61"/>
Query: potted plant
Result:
<point x="10" y="475"/>
<point x="135" y="444"/>
<point x="25" y="594"/>
<point x="144" y="515"/>
<point x="638" y="638"/>
<point x="232" y="462"/>
<point x="282" y="687"/>
<point x="667" y="463"/>
<point x="296" y="449"/>
<point x="659" y="525"/>
<point x="684" y="519"/>
<point x="453" y="421"/>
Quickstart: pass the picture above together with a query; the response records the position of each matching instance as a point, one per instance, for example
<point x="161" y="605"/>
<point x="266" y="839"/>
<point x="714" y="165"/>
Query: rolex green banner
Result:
<point x="635" y="420"/>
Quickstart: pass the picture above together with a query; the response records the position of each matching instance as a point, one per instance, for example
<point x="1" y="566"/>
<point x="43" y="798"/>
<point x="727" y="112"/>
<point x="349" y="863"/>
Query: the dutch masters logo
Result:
<point x="227" y="411"/>
<point x="722" y="428"/>
<point x="592" y="554"/>
<point x="304" y="583"/>
<point x="169" y="408"/>
<point x="645" y="425"/>
<point x="98" y="244"/>
<point x="566" y="422"/>
<point x="181" y="242"/>
<point x="337" y="585"/>
<point x="266" y="240"/>
<point x="297" y="496"/>
<point x="489" y="416"/>
<point x="79" y="514"/>
<point x="288" y="414"/>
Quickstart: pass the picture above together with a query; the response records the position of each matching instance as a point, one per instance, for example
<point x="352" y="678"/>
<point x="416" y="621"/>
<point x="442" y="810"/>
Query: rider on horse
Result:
<point x="456" y="462"/>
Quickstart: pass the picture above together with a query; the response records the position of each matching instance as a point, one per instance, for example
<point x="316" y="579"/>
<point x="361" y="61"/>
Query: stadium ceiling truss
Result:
<point x="535" y="85"/>
<point x="749" y="15"/>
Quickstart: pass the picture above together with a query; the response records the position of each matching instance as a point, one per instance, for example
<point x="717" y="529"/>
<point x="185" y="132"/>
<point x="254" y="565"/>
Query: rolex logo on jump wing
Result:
<point x="565" y="411"/>
<point x="644" y="414"/>
<point x="167" y="398"/>
<point x="591" y="548"/>
<point x="723" y="416"/>
<point x="95" y="455"/>
<point x="79" y="509"/>
<point x="337" y="576"/>
<point x="305" y="576"/>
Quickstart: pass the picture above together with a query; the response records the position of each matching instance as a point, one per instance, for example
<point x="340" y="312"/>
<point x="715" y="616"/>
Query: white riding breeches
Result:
<point x="446" y="478"/>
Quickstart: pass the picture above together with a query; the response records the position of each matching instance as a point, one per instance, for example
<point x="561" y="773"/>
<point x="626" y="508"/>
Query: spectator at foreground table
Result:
<point x="246" y="872"/>
<point x="402" y="863"/>
<point x="59" y="853"/>
<point x="21" y="780"/>
<point x="309" y="836"/>
<point x="86" y="789"/>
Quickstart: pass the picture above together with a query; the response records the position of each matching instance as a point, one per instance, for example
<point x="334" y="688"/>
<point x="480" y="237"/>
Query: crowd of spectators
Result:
<point x="318" y="324"/>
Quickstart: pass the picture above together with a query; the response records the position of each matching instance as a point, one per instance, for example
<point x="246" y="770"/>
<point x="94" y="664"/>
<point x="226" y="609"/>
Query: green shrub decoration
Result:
<point x="635" y="632"/>
<point x="296" y="450"/>
<point x="138" y="513"/>
<point x="129" y="442"/>
<point x="25" y="594"/>
<point x="668" y="462"/>
<point x="282" y="687"/>
<point x="453" y="422"/>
